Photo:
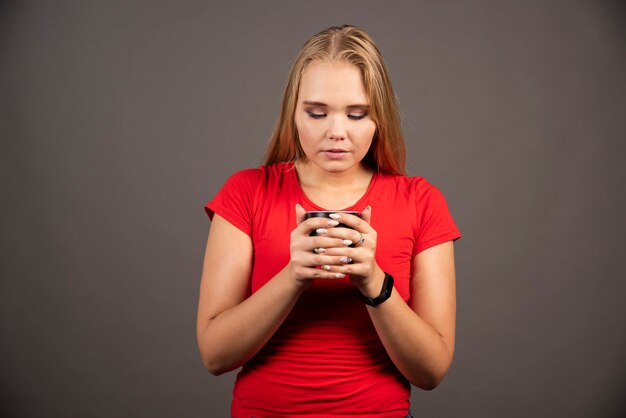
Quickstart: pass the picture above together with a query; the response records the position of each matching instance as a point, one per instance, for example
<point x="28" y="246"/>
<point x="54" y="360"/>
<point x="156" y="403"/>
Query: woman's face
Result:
<point x="332" y="116"/>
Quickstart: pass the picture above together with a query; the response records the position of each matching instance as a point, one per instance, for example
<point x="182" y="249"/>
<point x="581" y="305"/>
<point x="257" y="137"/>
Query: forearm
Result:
<point x="234" y="336"/>
<point x="416" y="348"/>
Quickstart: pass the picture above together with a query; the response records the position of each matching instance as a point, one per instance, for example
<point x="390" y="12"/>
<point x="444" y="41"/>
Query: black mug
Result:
<point x="325" y="214"/>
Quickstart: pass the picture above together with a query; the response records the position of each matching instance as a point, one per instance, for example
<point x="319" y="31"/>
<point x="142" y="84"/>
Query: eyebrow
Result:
<point x="321" y="104"/>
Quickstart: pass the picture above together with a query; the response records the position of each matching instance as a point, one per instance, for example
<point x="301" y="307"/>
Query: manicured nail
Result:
<point x="334" y="216"/>
<point x="326" y="267"/>
<point x="346" y="260"/>
<point x="340" y="275"/>
<point x="333" y="223"/>
<point x="321" y="231"/>
<point x="346" y="242"/>
<point x="319" y="250"/>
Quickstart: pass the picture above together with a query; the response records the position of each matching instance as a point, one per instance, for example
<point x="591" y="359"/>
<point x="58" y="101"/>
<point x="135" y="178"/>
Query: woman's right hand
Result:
<point x="307" y="258"/>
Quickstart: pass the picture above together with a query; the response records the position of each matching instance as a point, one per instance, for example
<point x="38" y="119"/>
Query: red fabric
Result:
<point x="326" y="359"/>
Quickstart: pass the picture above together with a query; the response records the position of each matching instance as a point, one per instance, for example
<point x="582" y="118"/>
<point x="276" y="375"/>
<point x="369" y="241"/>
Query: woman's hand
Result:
<point x="308" y="254"/>
<point x="329" y="255"/>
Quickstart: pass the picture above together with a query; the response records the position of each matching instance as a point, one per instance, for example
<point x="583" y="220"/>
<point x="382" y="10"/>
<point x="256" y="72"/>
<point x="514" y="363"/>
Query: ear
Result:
<point x="366" y="215"/>
<point x="300" y="214"/>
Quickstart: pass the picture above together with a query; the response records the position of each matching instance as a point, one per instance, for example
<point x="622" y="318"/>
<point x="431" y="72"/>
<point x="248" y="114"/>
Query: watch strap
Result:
<point x="385" y="292"/>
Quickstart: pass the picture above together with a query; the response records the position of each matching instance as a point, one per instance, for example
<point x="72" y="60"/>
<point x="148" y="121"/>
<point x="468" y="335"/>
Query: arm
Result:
<point x="418" y="338"/>
<point x="231" y="327"/>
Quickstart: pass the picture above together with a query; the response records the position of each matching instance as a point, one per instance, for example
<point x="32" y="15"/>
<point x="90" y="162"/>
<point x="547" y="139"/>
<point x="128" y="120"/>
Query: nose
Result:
<point x="337" y="127"/>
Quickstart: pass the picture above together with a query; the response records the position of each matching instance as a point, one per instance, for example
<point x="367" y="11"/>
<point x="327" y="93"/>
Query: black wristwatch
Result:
<point x="385" y="293"/>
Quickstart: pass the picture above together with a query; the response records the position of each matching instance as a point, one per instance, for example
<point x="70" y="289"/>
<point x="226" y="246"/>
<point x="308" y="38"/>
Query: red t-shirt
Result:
<point x="326" y="359"/>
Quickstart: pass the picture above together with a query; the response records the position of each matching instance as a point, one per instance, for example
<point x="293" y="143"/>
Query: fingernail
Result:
<point x="321" y="231"/>
<point x="326" y="267"/>
<point x="346" y="242"/>
<point x="319" y="250"/>
<point x="333" y="223"/>
<point x="340" y="275"/>
<point x="334" y="216"/>
<point x="346" y="260"/>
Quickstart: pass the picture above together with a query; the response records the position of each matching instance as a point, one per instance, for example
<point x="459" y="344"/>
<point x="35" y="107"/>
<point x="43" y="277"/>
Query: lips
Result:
<point x="335" y="153"/>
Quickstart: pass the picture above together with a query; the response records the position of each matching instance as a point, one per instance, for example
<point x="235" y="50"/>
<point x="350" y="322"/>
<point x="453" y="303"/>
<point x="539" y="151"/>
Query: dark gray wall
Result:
<point x="119" y="120"/>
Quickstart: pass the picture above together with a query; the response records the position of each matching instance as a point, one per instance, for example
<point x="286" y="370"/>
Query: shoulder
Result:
<point x="252" y="182"/>
<point x="245" y="176"/>
<point x="415" y="187"/>
<point x="261" y="173"/>
<point x="416" y="194"/>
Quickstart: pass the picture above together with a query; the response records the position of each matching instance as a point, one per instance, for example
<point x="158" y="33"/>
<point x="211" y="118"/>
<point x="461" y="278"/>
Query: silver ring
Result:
<point x="361" y="241"/>
<point x="319" y="250"/>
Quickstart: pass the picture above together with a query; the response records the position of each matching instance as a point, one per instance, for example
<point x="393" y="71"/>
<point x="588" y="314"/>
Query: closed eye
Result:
<point x="322" y="115"/>
<point x="316" y="115"/>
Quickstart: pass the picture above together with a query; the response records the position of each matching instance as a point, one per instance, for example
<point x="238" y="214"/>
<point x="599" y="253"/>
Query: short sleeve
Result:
<point x="235" y="200"/>
<point x="434" y="221"/>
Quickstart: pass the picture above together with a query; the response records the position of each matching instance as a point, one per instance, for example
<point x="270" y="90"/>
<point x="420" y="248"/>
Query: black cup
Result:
<point x="326" y="213"/>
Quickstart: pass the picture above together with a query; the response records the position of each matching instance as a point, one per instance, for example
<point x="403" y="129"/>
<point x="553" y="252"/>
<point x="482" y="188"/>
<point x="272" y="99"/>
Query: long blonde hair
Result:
<point x="344" y="44"/>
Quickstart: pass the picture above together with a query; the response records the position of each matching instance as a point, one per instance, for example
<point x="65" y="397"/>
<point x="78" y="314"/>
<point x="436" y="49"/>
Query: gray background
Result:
<point x="119" y="120"/>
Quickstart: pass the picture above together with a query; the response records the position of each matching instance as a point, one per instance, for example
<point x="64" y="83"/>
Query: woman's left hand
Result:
<point x="360" y="261"/>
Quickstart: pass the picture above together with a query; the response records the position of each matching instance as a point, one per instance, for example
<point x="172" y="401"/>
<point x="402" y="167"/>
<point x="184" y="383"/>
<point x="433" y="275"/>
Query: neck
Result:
<point x="310" y="175"/>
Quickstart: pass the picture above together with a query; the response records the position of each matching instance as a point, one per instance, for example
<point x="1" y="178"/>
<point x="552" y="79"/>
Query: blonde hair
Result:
<point x="352" y="45"/>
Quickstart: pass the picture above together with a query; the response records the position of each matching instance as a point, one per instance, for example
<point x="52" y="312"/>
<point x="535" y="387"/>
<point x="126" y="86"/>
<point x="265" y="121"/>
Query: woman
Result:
<point x="342" y="322"/>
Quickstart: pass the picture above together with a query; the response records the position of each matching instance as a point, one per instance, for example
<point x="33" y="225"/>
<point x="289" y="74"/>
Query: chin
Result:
<point x="336" y="166"/>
